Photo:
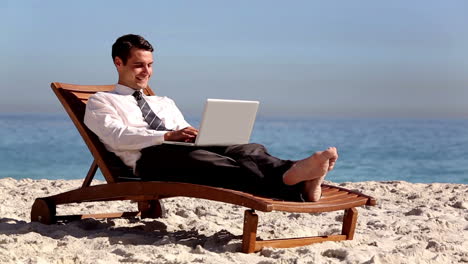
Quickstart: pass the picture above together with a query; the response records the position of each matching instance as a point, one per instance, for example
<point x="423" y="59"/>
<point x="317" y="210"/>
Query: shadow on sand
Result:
<point x="138" y="232"/>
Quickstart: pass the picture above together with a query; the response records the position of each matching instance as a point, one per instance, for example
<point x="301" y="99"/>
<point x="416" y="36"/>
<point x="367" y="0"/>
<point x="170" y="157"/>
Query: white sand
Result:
<point x="413" y="223"/>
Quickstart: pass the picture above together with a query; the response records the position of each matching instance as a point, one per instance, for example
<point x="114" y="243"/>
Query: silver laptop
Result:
<point x="225" y="123"/>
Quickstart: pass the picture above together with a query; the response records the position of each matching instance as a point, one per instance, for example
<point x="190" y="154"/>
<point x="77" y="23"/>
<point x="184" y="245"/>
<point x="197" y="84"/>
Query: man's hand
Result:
<point x="187" y="134"/>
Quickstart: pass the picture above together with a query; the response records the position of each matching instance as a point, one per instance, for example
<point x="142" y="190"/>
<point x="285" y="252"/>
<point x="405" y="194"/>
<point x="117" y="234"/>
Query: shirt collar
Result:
<point x="124" y="90"/>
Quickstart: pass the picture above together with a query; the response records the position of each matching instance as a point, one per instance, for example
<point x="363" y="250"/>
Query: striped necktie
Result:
<point x="150" y="117"/>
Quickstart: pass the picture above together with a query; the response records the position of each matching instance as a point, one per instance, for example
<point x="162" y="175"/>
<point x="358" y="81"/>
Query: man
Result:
<point x="134" y="126"/>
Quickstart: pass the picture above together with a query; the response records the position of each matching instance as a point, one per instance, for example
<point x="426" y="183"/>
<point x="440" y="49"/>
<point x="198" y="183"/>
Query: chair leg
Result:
<point x="349" y="223"/>
<point x="91" y="172"/>
<point x="151" y="209"/>
<point x="249" y="237"/>
<point x="43" y="211"/>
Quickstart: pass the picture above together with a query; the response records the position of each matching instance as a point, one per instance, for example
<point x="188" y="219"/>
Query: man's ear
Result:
<point x="118" y="62"/>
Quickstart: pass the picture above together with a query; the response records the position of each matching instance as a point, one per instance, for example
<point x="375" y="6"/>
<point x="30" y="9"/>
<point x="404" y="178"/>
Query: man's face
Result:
<point x="138" y="69"/>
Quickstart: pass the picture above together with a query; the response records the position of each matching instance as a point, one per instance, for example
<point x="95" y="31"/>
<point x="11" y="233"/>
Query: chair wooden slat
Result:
<point x="81" y="95"/>
<point x="328" y="191"/>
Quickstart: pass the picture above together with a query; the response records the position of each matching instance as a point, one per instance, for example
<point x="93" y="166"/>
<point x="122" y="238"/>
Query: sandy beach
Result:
<point x="412" y="223"/>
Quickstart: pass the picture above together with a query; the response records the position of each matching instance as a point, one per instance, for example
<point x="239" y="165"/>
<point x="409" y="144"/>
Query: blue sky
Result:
<point x="299" y="58"/>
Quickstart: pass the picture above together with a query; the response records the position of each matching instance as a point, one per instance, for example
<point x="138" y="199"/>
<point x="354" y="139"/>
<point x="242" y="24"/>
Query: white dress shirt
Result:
<point x="118" y="122"/>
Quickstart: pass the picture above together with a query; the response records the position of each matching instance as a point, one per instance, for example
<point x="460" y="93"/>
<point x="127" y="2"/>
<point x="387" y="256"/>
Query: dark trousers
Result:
<point x="248" y="167"/>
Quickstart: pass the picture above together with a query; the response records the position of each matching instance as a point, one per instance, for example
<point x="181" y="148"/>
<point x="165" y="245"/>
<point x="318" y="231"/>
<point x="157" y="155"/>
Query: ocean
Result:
<point x="47" y="146"/>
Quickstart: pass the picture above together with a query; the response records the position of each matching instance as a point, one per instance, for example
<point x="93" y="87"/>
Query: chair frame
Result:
<point x="148" y="195"/>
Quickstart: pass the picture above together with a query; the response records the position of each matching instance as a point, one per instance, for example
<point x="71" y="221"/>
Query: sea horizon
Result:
<point x="418" y="150"/>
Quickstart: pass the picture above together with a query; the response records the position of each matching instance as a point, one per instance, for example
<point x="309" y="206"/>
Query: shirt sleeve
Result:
<point x="102" y="118"/>
<point x="178" y="116"/>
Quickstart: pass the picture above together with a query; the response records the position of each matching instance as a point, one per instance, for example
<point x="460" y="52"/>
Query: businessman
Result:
<point x="134" y="126"/>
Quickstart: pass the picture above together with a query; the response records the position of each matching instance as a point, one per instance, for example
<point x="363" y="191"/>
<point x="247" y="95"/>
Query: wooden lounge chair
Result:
<point x="123" y="185"/>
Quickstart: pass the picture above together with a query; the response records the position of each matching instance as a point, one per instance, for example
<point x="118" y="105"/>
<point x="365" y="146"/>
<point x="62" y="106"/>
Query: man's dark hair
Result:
<point x="125" y="43"/>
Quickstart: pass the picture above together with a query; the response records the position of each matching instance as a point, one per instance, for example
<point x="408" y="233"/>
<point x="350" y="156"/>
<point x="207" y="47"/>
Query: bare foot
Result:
<point x="332" y="162"/>
<point x="313" y="189"/>
<point x="311" y="168"/>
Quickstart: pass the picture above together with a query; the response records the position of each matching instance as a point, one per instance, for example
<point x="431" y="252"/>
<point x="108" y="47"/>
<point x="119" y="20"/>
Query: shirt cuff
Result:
<point x="159" y="137"/>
